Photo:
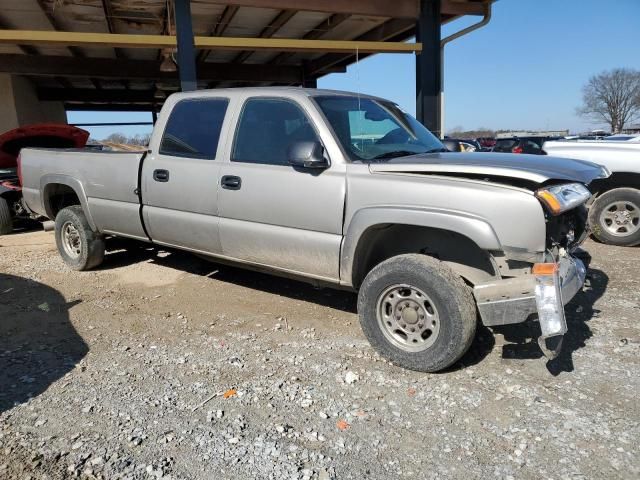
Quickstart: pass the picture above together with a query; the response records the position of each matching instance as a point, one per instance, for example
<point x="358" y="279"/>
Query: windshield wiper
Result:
<point x="394" y="154"/>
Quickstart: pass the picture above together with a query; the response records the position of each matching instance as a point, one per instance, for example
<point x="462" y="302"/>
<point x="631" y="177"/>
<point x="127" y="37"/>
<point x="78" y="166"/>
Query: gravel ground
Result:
<point x="163" y="365"/>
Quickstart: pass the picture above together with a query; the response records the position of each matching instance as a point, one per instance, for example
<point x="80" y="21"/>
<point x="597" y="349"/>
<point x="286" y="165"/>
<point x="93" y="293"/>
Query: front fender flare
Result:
<point x="72" y="183"/>
<point x="471" y="226"/>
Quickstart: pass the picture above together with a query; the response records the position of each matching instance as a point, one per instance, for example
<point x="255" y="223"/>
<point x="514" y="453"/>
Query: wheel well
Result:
<point x="58" y="196"/>
<point x="616" y="180"/>
<point x="380" y="242"/>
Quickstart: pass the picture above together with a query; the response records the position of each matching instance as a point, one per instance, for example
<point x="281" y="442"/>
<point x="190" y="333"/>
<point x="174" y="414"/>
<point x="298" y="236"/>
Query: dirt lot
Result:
<point x="163" y="365"/>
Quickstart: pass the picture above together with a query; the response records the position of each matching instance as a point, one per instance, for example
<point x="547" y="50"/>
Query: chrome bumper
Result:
<point x="513" y="300"/>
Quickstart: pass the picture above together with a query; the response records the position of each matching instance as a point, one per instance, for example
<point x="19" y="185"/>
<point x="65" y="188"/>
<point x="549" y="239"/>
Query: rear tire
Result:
<point x="79" y="246"/>
<point x="614" y="217"/>
<point x="416" y="312"/>
<point x="6" y="219"/>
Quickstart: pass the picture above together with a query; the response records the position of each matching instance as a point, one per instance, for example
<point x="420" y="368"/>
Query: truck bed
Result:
<point x="107" y="181"/>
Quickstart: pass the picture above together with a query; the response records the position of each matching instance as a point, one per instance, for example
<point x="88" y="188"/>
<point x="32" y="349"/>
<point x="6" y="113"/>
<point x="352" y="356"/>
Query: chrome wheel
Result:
<point x="71" y="241"/>
<point x="621" y="218"/>
<point x="408" y="318"/>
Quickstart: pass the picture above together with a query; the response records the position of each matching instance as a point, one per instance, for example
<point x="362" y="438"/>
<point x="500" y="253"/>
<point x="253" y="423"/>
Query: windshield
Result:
<point x="371" y="130"/>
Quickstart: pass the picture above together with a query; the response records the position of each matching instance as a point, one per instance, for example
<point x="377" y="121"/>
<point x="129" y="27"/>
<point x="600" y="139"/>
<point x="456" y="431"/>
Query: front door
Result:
<point x="180" y="179"/>
<point x="270" y="213"/>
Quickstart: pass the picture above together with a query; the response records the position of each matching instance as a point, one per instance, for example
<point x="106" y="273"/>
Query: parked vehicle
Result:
<point x="40" y="135"/>
<point x="486" y="142"/>
<point x="343" y="190"/>
<point x="530" y="145"/>
<point x="614" y="215"/>
<point x="457" y="145"/>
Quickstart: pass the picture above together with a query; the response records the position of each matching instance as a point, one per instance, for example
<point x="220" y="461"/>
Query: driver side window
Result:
<point x="267" y="128"/>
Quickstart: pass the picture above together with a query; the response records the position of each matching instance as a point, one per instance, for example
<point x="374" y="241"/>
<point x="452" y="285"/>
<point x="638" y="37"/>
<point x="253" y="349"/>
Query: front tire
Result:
<point x="6" y="219"/>
<point x="78" y="245"/>
<point x="416" y="312"/>
<point x="615" y="217"/>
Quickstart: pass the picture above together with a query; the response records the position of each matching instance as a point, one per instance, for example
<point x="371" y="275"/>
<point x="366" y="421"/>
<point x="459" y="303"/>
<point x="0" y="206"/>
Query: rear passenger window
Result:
<point x="193" y="128"/>
<point x="266" y="129"/>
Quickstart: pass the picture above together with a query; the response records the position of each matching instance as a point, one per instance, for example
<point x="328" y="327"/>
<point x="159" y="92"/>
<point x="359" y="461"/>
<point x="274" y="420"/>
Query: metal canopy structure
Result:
<point x="124" y="55"/>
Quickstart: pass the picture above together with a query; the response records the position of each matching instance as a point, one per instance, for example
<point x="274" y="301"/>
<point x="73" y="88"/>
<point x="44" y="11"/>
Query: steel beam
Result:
<point x="111" y="68"/>
<point x="276" y="24"/>
<point x="428" y="66"/>
<point x="186" y="48"/>
<point x="38" y="37"/>
<point x="374" y="8"/>
<point x="318" y="31"/>
<point x="377" y="35"/>
<point x="91" y="95"/>
<point x="223" y="23"/>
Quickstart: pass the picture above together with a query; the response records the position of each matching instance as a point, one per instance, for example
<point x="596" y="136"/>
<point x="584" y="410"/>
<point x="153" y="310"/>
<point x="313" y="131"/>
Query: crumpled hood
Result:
<point x="532" y="168"/>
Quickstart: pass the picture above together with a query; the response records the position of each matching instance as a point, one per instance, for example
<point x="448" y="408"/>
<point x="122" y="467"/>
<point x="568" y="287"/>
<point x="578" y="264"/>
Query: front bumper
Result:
<point x="513" y="300"/>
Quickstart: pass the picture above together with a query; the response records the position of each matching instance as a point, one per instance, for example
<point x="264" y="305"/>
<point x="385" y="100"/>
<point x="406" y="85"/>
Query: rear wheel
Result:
<point x="78" y="245"/>
<point x="615" y="217"/>
<point x="6" y="219"/>
<point x="416" y="312"/>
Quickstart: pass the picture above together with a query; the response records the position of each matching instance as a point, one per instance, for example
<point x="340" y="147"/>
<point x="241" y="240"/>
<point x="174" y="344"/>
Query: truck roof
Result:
<point x="276" y="91"/>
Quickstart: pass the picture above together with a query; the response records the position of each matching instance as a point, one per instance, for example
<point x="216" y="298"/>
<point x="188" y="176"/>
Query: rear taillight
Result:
<point x="516" y="150"/>
<point x="19" y="164"/>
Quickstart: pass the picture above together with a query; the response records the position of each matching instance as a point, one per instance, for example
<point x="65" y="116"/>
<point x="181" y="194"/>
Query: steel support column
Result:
<point x="429" y="66"/>
<point x="186" y="46"/>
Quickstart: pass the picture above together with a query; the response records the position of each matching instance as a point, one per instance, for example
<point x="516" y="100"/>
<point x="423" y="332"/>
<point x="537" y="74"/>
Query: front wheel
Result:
<point x="78" y="245"/>
<point x="416" y="312"/>
<point x="615" y="217"/>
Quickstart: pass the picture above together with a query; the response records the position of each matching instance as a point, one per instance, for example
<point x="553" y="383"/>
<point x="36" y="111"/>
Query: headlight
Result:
<point x="560" y="198"/>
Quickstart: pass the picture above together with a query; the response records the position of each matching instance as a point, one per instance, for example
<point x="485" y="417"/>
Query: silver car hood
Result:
<point x="532" y="168"/>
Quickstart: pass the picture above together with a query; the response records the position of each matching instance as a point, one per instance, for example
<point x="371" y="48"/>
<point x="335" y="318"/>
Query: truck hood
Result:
<point x="530" y="168"/>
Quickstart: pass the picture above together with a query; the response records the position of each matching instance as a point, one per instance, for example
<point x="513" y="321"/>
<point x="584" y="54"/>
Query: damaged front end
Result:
<point x="544" y="288"/>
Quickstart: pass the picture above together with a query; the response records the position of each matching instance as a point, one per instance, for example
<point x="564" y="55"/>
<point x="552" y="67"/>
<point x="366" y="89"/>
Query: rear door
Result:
<point x="180" y="176"/>
<point x="270" y="212"/>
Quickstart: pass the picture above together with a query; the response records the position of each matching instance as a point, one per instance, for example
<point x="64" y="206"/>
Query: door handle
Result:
<point x="161" y="175"/>
<point x="231" y="182"/>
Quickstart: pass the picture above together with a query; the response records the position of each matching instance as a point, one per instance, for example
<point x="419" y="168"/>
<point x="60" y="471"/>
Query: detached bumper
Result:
<point x="509" y="301"/>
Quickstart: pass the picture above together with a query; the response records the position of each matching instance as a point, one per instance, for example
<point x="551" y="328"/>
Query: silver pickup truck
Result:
<point x="342" y="189"/>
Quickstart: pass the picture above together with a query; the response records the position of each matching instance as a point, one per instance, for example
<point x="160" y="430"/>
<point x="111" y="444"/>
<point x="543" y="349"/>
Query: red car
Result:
<point x="46" y="135"/>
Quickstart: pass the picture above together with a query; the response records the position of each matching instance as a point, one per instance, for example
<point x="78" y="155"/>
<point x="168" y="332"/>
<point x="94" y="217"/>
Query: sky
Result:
<point x="524" y="70"/>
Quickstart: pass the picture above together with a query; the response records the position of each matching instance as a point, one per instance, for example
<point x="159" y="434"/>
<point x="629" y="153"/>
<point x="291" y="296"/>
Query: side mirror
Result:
<point x="307" y="154"/>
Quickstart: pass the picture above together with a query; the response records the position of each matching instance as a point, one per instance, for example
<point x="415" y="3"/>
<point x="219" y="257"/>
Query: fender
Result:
<point x="75" y="185"/>
<point x="471" y="226"/>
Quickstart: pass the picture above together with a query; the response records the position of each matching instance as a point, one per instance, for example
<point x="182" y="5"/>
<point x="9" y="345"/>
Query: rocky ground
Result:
<point x="161" y="365"/>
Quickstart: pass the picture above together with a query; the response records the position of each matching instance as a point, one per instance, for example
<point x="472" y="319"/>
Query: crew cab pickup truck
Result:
<point x="614" y="215"/>
<point x="341" y="189"/>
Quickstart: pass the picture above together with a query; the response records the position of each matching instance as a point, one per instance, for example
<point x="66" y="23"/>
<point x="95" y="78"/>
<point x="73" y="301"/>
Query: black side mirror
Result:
<point x="307" y="154"/>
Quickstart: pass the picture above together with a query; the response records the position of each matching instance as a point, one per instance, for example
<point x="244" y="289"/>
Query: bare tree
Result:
<point x="612" y="97"/>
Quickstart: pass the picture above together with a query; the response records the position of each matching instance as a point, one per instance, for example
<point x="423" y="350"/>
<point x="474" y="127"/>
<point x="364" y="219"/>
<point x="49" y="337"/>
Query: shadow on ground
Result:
<point x="38" y="344"/>
<point x="122" y="252"/>
<point x="522" y="339"/>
